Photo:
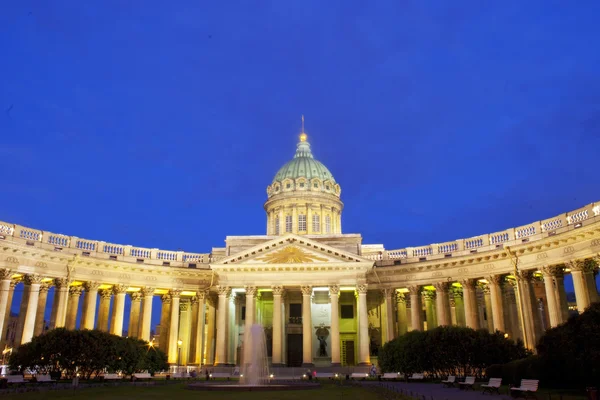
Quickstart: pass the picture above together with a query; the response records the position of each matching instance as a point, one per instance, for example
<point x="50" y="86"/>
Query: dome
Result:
<point x="303" y="165"/>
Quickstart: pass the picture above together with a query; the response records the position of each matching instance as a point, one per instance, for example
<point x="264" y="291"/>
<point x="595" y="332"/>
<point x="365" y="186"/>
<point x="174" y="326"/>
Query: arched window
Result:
<point x="288" y="223"/>
<point x="316" y="223"/>
<point x="301" y="223"/>
<point x="277" y="225"/>
<point x="327" y="224"/>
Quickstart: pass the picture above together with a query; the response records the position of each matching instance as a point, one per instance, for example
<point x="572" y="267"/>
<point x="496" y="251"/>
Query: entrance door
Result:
<point x="294" y="350"/>
<point x="348" y="352"/>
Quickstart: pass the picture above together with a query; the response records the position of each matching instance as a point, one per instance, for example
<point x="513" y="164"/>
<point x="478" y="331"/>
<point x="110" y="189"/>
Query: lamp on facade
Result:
<point x="179" y="343"/>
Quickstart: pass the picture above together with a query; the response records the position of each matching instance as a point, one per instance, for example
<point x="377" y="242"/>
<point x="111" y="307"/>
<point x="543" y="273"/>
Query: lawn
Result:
<point x="179" y="392"/>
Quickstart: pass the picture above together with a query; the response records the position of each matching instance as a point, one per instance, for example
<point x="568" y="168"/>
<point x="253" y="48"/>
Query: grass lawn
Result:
<point x="179" y="392"/>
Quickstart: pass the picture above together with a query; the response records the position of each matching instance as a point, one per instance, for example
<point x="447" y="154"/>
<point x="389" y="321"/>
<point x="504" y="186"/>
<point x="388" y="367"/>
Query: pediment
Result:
<point x="291" y="249"/>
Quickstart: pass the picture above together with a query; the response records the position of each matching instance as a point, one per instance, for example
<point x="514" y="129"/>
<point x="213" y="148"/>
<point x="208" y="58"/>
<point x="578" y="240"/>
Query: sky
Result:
<point x="160" y="124"/>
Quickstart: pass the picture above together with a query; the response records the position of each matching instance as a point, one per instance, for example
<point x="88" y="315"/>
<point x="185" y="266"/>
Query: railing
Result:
<point x="295" y="320"/>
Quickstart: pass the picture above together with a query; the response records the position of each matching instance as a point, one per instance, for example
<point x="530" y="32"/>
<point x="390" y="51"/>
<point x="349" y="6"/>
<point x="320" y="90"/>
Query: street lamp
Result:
<point x="179" y="343"/>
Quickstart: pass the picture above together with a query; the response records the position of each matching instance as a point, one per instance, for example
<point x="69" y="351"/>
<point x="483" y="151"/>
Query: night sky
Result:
<point x="160" y="124"/>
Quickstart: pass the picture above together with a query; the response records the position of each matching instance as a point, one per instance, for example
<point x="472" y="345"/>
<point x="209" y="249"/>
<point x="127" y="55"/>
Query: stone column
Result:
<point x="250" y="303"/>
<point x="457" y="296"/>
<point x="276" y="359"/>
<point x="89" y="305"/>
<point x="5" y="291"/>
<point x="174" y="326"/>
<point x="430" y="311"/>
<point x="6" y="320"/>
<point x="118" y="309"/>
<point x="134" y="314"/>
<point x="199" y="325"/>
<point x="401" y="310"/>
<point x="495" y="286"/>
<point x="209" y="347"/>
<point x="41" y="309"/>
<point x="222" y="313"/>
<point x="307" y="360"/>
<point x="62" y="288"/>
<point x="560" y="293"/>
<point x="554" y="313"/>
<point x="33" y="281"/>
<point x="470" y="300"/>
<point x="73" y="307"/>
<point x="487" y="299"/>
<point x="144" y="329"/>
<point x="581" y="271"/>
<point x="442" y="304"/>
<point x="165" y="315"/>
<point x="416" y="308"/>
<point x="22" y="313"/>
<point x="388" y="318"/>
<point x="334" y="296"/>
<point x="104" y="309"/>
<point x="527" y="305"/>
<point x="364" y="356"/>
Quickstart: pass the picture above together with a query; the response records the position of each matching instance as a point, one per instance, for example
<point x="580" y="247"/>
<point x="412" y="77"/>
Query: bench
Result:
<point x="450" y="381"/>
<point x="111" y="377"/>
<point x="468" y="383"/>
<point x="359" y="375"/>
<point x="417" y="377"/>
<point x="528" y="386"/>
<point x="141" y="375"/>
<point x="326" y="375"/>
<point x="15" y="380"/>
<point x="493" y="385"/>
<point x="44" y="379"/>
<point x="391" y="375"/>
<point x="220" y="375"/>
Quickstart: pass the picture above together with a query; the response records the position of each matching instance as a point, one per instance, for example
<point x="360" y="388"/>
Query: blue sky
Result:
<point x="160" y="125"/>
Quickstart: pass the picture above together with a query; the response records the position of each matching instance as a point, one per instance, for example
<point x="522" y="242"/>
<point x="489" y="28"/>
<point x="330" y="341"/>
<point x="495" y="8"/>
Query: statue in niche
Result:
<point x="322" y="346"/>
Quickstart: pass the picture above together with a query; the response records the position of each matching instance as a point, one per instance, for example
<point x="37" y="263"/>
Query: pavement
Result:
<point x="435" y="391"/>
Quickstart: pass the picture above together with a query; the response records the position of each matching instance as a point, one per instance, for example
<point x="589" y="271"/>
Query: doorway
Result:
<point x="348" y="352"/>
<point x="294" y="350"/>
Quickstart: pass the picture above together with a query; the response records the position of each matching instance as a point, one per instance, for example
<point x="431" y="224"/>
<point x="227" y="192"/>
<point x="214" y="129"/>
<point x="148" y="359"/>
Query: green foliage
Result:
<point x="570" y="353"/>
<point x="87" y="352"/>
<point x="512" y="372"/>
<point x="448" y="350"/>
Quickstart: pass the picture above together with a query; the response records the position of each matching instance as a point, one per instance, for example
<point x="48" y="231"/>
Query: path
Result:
<point x="433" y="391"/>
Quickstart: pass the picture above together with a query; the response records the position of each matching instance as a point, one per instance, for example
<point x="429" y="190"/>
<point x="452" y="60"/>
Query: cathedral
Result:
<point x="323" y="297"/>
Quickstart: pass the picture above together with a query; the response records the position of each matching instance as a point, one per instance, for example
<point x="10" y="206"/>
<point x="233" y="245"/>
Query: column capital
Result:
<point x="468" y="283"/>
<point x="89" y="286"/>
<point x="147" y="291"/>
<point x="414" y="290"/>
<point x="119" y="289"/>
<point x="201" y="294"/>
<point x="585" y="266"/>
<point x="184" y="306"/>
<point x="75" y="291"/>
<point x="175" y="293"/>
<point x="306" y="290"/>
<point x="525" y="275"/>
<point x="429" y="294"/>
<point x="61" y="283"/>
<point x="250" y="290"/>
<point x="135" y="296"/>
<point x="457" y="291"/>
<point x="14" y="282"/>
<point x="105" y="293"/>
<point x="485" y="288"/>
<point x="32" y="279"/>
<point x="554" y="271"/>
<point x="224" y="291"/>
<point x="278" y="290"/>
<point x="44" y="287"/>
<point x="400" y="298"/>
<point x="362" y="288"/>
<point x="495" y="279"/>
<point x="334" y="290"/>
<point x="5" y="273"/>
<point x="211" y="300"/>
<point x="441" y="286"/>
<point x="166" y="298"/>
<point x="387" y="292"/>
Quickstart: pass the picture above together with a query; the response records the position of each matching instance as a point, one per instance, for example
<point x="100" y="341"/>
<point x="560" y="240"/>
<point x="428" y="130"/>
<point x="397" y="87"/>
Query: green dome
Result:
<point x="303" y="165"/>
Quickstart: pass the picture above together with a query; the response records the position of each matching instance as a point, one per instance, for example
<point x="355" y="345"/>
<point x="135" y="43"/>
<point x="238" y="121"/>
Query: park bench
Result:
<point x="493" y="385"/>
<point x="44" y="379"/>
<point x="111" y="377"/>
<point x="141" y="375"/>
<point x="15" y="380"/>
<point x="416" y="377"/>
<point x="326" y="375"/>
<point x="391" y="375"/>
<point x="450" y="381"/>
<point x="468" y="383"/>
<point x="359" y="375"/>
<point x="528" y="386"/>
<point x="220" y="375"/>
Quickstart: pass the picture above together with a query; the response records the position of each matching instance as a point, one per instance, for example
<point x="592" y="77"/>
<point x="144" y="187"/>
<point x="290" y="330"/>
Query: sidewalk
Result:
<point x="434" y="391"/>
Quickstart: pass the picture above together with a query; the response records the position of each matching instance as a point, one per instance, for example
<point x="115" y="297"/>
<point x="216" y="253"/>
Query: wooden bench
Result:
<point x="111" y="377"/>
<point x="450" y="381"/>
<point x="417" y="377"/>
<point x="493" y="385"/>
<point x="359" y="375"/>
<point x="391" y="375"/>
<point x="44" y="379"/>
<point x="468" y="383"/>
<point x="220" y="375"/>
<point x="528" y="386"/>
<point x="141" y="375"/>
<point x="15" y="380"/>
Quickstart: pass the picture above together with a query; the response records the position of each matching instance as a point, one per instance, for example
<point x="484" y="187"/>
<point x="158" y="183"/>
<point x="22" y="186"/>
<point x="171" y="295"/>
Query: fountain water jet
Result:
<point x="255" y="364"/>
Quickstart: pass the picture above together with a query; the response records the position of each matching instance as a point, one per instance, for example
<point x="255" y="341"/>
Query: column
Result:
<point x="470" y="303"/>
<point x="495" y="287"/>
<point x="527" y="304"/>
<point x="199" y="325"/>
<point x="104" y="309"/>
<point x="221" y="346"/>
<point x="430" y="297"/>
<point x="512" y="319"/>
<point x="309" y="217"/>
<point x="62" y="292"/>
<point x="73" y="307"/>
<point x="364" y="357"/>
<point x="250" y="303"/>
<point x="118" y="310"/>
<point x="442" y="304"/>
<point x="5" y="322"/>
<point x="581" y="270"/>
<point x="549" y="288"/>
<point x="416" y="308"/>
<point x="89" y="305"/>
<point x="165" y="315"/>
<point x="459" y="305"/>
<point x="174" y="326"/>
<point x="306" y="326"/>
<point x="294" y="220"/>
<point x="41" y="309"/>
<point x="33" y="281"/>
<point x="5" y="293"/>
<point x="22" y="312"/>
<point x="389" y="314"/>
<point x="144" y="329"/>
<point x="134" y="314"/>
<point x="276" y="359"/>
<point x="401" y="310"/>
<point x="209" y="347"/>
<point x="334" y="296"/>
<point x="560" y="293"/>
<point x="184" y="332"/>
<point x="487" y="298"/>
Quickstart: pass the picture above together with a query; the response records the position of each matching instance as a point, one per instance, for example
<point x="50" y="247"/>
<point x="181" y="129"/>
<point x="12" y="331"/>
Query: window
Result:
<point x="243" y="316"/>
<point x="347" y="311"/>
<point x="316" y="223"/>
<point x="301" y="222"/>
<point x="289" y="185"/>
<point x="288" y="223"/>
<point x="277" y="225"/>
<point x="327" y="187"/>
<point x="316" y="185"/>
<point x="302" y="184"/>
<point x="327" y="224"/>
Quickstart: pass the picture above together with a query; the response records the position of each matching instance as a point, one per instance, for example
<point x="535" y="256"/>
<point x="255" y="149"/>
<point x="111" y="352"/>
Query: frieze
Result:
<point x="12" y="260"/>
<point x="542" y="256"/>
<point x="41" y="264"/>
<point x="463" y="270"/>
<point x="437" y="274"/>
<point x="595" y="243"/>
<point x="489" y="267"/>
<point x="569" y="250"/>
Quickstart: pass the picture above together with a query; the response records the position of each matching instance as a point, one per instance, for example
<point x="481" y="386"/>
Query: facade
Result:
<point x="323" y="297"/>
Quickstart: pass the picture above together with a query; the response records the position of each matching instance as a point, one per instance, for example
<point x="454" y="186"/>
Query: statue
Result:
<point x="322" y="346"/>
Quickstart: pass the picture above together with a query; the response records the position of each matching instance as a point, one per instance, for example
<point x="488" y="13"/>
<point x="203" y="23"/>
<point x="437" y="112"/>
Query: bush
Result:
<point x="87" y="352"/>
